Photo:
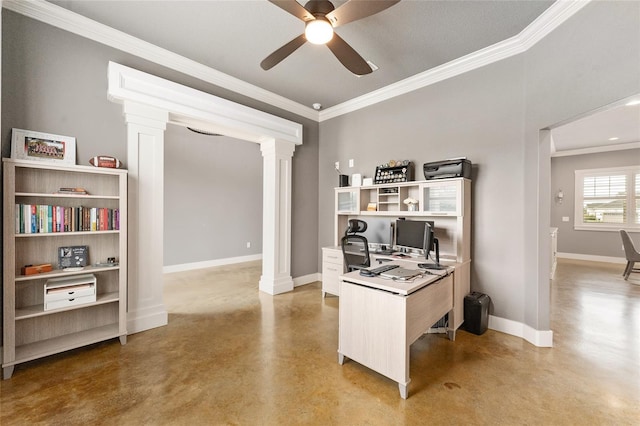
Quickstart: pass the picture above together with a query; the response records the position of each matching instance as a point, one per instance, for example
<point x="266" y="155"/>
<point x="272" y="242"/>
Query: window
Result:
<point x="608" y="199"/>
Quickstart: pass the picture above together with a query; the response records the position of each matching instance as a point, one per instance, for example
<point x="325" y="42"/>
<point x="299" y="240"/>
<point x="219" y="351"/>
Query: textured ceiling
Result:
<point x="413" y="36"/>
<point x="234" y="36"/>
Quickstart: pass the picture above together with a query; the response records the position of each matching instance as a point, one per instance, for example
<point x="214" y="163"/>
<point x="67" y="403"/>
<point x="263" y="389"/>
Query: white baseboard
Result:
<point x="307" y="279"/>
<point x="209" y="263"/>
<point x="591" y="258"/>
<point x="146" y="319"/>
<point x="540" y="338"/>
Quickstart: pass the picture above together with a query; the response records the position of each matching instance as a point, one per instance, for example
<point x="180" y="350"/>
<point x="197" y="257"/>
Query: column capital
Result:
<point x="144" y="115"/>
<point x="278" y="148"/>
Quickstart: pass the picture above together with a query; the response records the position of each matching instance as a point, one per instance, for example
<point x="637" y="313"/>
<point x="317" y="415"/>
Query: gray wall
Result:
<point x="596" y="243"/>
<point x="213" y="196"/>
<point x="56" y="82"/>
<point x="493" y="116"/>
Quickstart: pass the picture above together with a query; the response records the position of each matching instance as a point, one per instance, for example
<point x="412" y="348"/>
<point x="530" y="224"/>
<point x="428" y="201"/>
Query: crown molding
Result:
<point x="549" y="20"/>
<point x="75" y="23"/>
<point x="596" y="149"/>
<point x="70" y="21"/>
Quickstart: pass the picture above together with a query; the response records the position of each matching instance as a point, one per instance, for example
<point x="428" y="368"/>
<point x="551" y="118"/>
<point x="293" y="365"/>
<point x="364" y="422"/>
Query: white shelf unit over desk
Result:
<point x="446" y="202"/>
<point x="29" y="332"/>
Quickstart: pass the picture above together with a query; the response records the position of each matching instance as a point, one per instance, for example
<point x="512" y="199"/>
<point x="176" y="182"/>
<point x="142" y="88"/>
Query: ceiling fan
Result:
<point x="321" y="17"/>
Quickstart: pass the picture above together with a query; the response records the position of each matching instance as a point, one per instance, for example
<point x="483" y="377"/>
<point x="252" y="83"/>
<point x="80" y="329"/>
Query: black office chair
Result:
<point x="631" y="254"/>
<point x="355" y="250"/>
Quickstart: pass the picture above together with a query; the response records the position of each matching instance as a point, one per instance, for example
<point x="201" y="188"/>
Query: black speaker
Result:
<point x="476" y="312"/>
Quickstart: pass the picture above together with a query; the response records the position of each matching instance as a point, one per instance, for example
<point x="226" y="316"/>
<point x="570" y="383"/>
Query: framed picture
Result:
<point x="37" y="146"/>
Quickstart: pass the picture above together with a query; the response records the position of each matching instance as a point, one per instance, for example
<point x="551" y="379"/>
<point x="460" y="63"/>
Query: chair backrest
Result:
<point x="630" y="251"/>
<point x="355" y="250"/>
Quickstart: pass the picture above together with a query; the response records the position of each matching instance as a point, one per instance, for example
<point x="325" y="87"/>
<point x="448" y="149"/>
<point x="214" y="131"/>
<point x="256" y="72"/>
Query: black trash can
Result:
<point x="476" y="312"/>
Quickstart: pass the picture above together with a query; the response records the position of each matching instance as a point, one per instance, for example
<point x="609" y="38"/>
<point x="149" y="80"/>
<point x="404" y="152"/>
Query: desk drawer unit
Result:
<point x="332" y="268"/>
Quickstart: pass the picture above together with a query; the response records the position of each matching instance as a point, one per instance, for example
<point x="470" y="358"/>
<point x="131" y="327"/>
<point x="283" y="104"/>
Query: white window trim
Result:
<point x="579" y="225"/>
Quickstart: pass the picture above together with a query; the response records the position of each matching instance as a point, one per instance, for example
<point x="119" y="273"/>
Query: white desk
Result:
<point x="379" y="319"/>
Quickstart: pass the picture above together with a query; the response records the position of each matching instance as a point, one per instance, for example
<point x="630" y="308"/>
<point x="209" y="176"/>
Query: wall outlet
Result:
<point x="248" y="244"/>
<point x="565" y="218"/>
<point x="337" y="165"/>
<point x="351" y="162"/>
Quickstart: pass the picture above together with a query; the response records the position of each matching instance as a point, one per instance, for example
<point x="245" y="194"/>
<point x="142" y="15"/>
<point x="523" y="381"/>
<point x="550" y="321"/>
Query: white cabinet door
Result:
<point x="442" y="198"/>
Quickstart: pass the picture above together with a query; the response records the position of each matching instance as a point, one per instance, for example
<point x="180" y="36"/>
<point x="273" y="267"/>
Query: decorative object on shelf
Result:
<point x="36" y="269"/>
<point x="47" y="147"/>
<point x="73" y="256"/>
<point x="105" y="161"/>
<point x="372" y="207"/>
<point x="367" y="181"/>
<point x="412" y="204"/>
<point x="356" y="179"/>
<point x="394" y="172"/>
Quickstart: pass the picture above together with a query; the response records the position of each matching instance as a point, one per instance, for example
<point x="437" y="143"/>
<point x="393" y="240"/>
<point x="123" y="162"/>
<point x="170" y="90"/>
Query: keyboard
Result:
<point x="384" y="268"/>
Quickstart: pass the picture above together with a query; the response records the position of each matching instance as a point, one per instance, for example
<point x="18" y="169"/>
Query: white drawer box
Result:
<point x="65" y="303"/>
<point x="69" y="291"/>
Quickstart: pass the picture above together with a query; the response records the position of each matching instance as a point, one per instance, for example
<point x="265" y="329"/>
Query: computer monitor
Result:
<point x="431" y="244"/>
<point x="412" y="234"/>
<point x="379" y="233"/>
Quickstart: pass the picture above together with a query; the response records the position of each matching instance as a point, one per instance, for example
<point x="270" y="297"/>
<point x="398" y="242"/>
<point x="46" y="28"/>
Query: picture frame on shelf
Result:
<point x="45" y="147"/>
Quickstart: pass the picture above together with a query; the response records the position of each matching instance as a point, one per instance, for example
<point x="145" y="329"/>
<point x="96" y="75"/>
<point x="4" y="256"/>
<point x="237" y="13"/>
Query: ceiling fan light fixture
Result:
<point x="318" y="31"/>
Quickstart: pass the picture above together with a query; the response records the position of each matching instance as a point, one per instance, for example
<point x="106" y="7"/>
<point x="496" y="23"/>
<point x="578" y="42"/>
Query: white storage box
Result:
<point x="69" y="291"/>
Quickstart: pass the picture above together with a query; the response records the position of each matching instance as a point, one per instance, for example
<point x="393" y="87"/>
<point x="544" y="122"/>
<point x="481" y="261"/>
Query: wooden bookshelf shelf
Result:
<point x="30" y="332"/>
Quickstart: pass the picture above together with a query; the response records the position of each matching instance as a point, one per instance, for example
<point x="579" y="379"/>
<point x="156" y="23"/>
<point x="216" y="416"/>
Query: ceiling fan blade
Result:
<point x="294" y="8"/>
<point x="286" y="50"/>
<point x="357" y="9"/>
<point x="347" y="56"/>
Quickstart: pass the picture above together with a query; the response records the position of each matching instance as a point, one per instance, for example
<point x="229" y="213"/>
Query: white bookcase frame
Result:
<point x="30" y="332"/>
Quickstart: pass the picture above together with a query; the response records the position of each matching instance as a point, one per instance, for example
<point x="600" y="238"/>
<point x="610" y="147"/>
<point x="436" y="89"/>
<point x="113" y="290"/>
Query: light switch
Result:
<point x="565" y="218"/>
<point x="351" y="162"/>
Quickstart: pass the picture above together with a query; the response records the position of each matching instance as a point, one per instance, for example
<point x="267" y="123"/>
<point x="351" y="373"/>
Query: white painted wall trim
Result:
<point x="592" y="258"/>
<point x="187" y="106"/>
<point x="540" y="338"/>
<point x="149" y="102"/>
<point x="596" y="149"/>
<point x="307" y="279"/>
<point x="549" y="20"/>
<point x="192" y="266"/>
<point x="75" y="23"/>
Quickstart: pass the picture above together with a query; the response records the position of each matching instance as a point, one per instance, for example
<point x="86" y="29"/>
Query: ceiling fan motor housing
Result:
<point x="319" y="7"/>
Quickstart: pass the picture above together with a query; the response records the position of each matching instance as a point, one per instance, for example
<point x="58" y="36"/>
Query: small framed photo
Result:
<point x="37" y="146"/>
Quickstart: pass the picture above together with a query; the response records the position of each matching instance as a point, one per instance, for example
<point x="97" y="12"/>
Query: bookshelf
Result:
<point x="29" y="330"/>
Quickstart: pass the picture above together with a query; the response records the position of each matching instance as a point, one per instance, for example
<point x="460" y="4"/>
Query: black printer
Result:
<point x="456" y="167"/>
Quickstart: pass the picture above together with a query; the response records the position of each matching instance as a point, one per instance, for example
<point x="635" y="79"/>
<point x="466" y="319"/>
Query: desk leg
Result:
<point x="451" y="334"/>
<point x="404" y="389"/>
<point x="340" y="358"/>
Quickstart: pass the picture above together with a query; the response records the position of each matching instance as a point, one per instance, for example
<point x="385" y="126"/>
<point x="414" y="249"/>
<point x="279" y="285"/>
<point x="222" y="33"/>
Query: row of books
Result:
<point x="39" y="219"/>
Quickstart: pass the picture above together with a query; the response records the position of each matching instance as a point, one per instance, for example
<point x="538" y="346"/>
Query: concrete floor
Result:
<point x="231" y="355"/>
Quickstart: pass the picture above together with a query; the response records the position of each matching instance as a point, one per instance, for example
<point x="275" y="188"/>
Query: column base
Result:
<point x="275" y="286"/>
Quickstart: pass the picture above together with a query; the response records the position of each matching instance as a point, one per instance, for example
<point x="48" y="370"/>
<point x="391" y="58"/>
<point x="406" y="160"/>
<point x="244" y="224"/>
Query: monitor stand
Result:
<point x="437" y="264"/>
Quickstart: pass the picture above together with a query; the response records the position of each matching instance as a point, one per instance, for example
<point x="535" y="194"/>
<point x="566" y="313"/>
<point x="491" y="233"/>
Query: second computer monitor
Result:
<point x="414" y="234"/>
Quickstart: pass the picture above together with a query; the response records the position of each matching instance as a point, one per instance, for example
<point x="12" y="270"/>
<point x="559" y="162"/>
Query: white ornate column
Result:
<point x="145" y="161"/>
<point x="276" y="217"/>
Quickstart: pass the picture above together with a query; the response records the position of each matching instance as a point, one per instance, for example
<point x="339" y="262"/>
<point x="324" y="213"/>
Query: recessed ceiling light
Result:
<point x="613" y="139"/>
<point x="633" y="103"/>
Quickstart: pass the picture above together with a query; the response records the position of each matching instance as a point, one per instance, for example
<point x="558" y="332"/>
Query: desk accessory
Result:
<point x="73" y="256"/>
<point x="394" y="171"/>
